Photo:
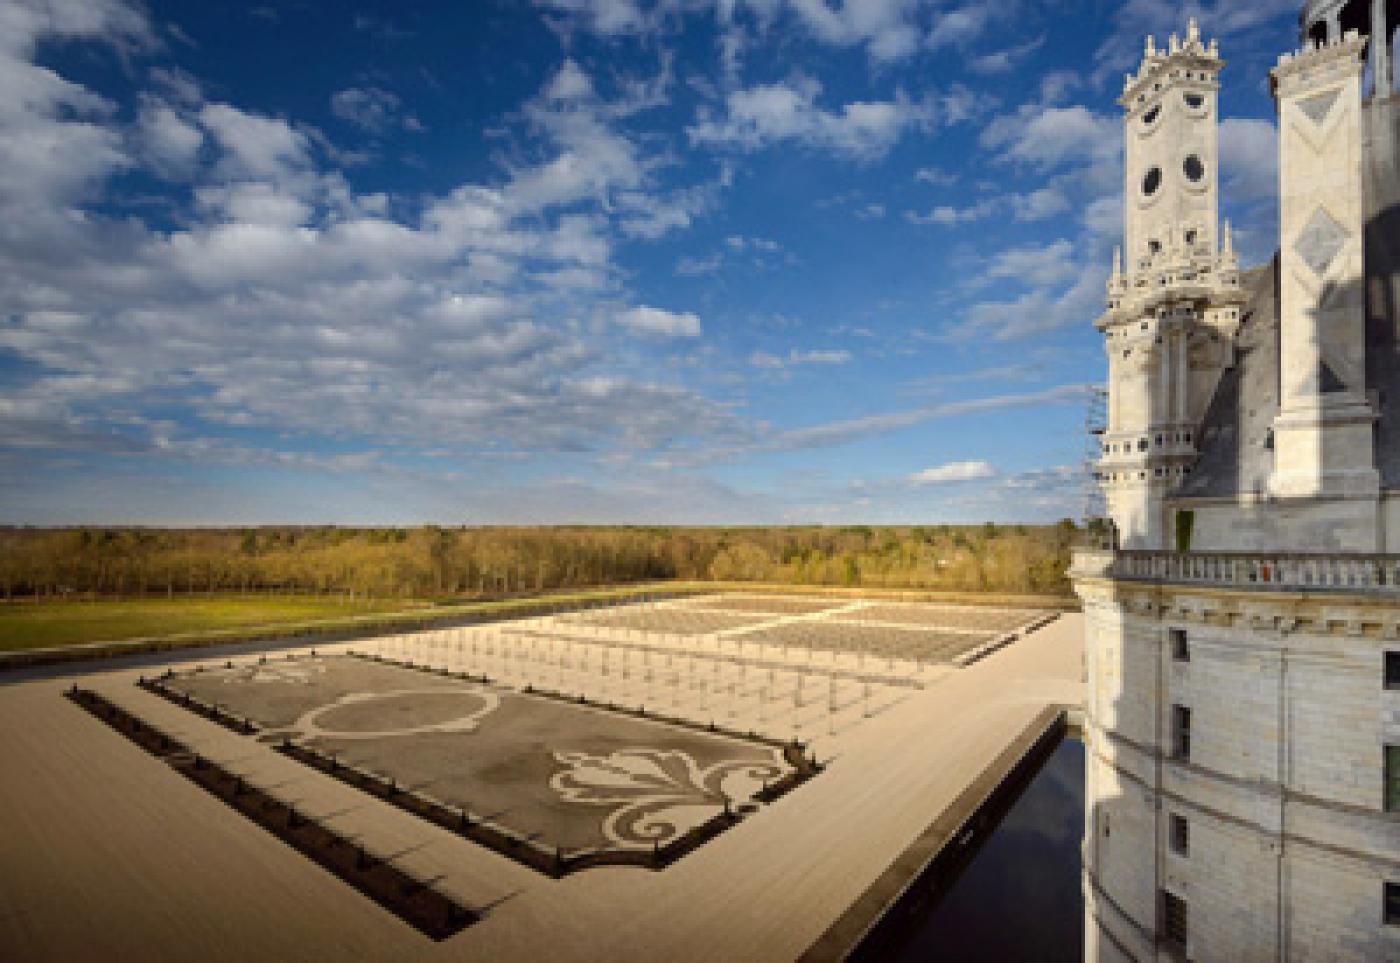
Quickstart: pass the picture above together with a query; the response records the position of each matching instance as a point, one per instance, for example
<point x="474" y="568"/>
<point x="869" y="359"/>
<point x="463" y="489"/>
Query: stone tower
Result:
<point x="1242" y="644"/>
<point x="1323" y="432"/>
<point x="1173" y="306"/>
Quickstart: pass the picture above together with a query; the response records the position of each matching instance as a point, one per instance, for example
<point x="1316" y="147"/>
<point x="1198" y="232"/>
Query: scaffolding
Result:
<point x="1095" y="424"/>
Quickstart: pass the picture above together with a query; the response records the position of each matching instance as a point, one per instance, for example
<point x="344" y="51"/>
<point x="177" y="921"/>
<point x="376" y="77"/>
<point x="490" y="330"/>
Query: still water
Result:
<point x="1019" y="898"/>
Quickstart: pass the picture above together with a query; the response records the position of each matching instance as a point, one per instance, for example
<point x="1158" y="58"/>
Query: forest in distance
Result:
<point x="430" y="562"/>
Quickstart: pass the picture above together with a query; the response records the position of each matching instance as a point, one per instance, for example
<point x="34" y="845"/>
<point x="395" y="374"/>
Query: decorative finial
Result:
<point x="1193" y="31"/>
<point x="1174" y="43"/>
<point x="1229" y="248"/>
<point x="1151" y="50"/>
<point x="1117" y="261"/>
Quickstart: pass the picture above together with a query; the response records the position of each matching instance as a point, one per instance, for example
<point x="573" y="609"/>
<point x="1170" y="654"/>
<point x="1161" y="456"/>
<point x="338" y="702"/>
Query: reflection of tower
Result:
<point x="1242" y="712"/>
<point x="1174" y="305"/>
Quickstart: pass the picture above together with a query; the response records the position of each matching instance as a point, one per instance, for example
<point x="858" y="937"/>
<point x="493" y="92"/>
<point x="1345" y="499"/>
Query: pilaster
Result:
<point x="1323" y="433"/>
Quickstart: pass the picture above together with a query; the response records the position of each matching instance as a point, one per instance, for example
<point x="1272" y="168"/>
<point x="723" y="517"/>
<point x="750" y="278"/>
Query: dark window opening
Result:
<point x="1194" y="101"/>
<point x="1151" y="115"/>
<point x="1152" y="181"/>
<point x="1194" y="169"/>
<point x="1174" y="921"/>
<point x="1181" y="734"/>
<point x="1392" y="779"/>
<point x="1181" y="649"/>
<point x="1180" y="833"/>
<point x="1392" y="904"/>
<point x="1392" y="670"/>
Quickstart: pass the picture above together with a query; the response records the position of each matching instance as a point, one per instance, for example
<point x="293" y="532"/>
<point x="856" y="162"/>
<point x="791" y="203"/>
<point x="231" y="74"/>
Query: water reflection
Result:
<point x="1020" y="897"/>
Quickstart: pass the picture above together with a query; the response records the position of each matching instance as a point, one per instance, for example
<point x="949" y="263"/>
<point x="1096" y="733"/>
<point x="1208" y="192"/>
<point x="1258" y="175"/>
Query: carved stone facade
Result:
<point x="1174" y="306"/>
<point x="1243" y="633"/>
<point x="1268" y="824"/>
<point x="1323" y="443"/>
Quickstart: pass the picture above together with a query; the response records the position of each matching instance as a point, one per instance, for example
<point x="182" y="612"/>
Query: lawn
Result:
<point x="29" y="625"/>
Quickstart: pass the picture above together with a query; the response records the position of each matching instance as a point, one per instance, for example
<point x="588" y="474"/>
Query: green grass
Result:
<point x="232" y="618"/>
<point x="32" y="625"/>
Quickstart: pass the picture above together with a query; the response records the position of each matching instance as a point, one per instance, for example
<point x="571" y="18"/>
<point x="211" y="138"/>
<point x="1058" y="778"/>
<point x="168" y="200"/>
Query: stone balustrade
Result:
<point x="1282" y="571"/>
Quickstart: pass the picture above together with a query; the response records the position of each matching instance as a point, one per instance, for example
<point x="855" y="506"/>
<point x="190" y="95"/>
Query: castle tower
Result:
<point x="1174" y="304"/>
<point x="1323" y="432"/>
<point x="1242" y="703"/>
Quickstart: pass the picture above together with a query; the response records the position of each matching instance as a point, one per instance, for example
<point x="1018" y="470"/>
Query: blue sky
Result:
<point x="744" y="261"/>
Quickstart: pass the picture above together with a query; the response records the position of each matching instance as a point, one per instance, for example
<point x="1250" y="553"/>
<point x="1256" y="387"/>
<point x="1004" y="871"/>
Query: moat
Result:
<point x="1020" y="895"/>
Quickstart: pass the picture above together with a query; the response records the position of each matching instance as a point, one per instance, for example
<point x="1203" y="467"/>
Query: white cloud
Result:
<point x="762" y="359"/>
<point x="854" y="429"/>
<point x="1039" y="204"/>
<point x="1040" y="266"/>
<point x="768" y="114"/>
<point x="255" y="145"/>
<point x="282" y="299"/>
<point x="1057" y="85"/>
<point x="738" y="242"/>
<point x="1104" y="216"/>
<point x="570" y="83"/>
<point x="960" y="26"/>
<point x="606" y="17"/>
<point x="698" y="266"/>
<point x="1005" y="60"/>
<point x="935" y="176"/>
<point x="1047" y="138"/>
<point x="658" y="322"/>
<point x="887" y="28"/>
<point x="1248" y="160"/>
<point x="1060" y="293"/>
<point x="953" y="471"/>
<point x="372" y="109"/>
<point x="167" y="141"/>
<point x="946" y="215"/>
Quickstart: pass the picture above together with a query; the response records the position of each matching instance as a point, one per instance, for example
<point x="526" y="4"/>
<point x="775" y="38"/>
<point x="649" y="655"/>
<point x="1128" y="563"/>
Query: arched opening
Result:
<point x="1376" y="20"/>
<point x="1356" y="15"/>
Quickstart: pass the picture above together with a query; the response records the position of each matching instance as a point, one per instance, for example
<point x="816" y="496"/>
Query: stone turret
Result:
<point x="1173" y="307"/>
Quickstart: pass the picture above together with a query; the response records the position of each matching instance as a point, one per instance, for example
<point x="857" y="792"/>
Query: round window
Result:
<point x="1151" y="115"/>
<point x="1152" y="181"/>
<point x="1194" y="101"/>
<point x="1193" y="168"/>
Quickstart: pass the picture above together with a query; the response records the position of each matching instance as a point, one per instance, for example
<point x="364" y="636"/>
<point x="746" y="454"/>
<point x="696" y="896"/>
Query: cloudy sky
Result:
<point x="758" y="261"/>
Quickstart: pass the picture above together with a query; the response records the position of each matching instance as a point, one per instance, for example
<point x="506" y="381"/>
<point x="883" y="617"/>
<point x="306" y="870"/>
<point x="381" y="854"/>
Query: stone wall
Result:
<point x="1289" y="845"/>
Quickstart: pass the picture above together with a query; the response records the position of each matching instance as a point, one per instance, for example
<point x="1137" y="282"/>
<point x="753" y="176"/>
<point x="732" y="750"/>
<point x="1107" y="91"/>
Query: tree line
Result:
<point x="432" y="561"/>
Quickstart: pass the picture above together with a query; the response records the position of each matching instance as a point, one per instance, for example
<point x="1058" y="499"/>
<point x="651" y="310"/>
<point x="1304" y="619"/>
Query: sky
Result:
<point x="573" y="261"/>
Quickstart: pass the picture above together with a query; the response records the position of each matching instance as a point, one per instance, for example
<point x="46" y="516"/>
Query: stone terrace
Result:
<point x="170" y="872"/>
